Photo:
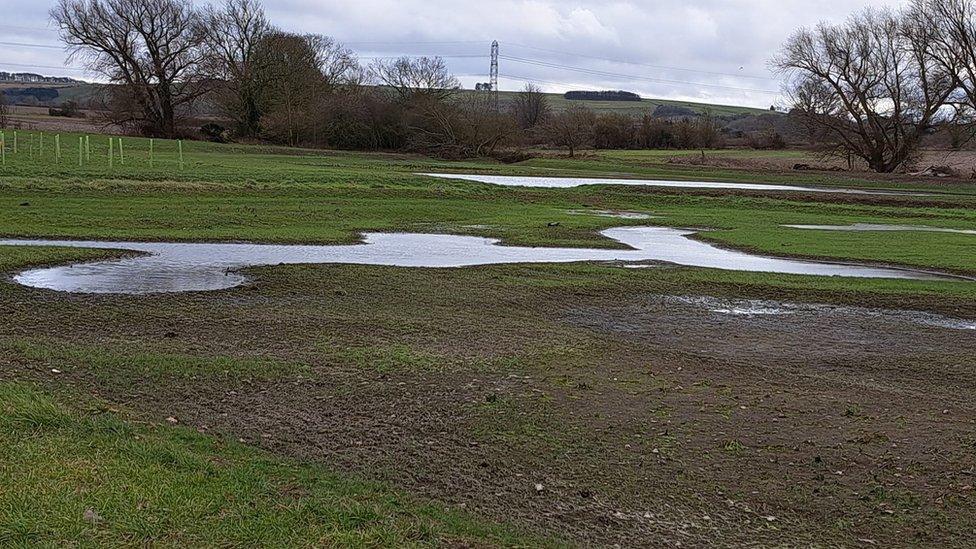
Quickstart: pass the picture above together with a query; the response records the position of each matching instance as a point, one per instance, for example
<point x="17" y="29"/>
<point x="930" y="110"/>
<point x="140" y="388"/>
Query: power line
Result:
<point x="536" y="80"/>
<point x="662" y="67"/>
<point x="397" y="43"/>
<point x="19" y="27"/>
<point x="416" y="56"/>
<point x="596" y="72"/>
<point x="33" y="66"/>
<point x="26" y="45"/>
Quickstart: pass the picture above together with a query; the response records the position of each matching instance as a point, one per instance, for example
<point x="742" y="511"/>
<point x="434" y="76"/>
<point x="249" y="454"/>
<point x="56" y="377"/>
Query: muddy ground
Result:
<point x="631" y="413"/>
<point x="962" y="164"/>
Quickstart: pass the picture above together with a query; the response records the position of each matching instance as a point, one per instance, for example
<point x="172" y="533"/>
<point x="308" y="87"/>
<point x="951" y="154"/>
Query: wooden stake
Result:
<point x="121" y="154"/>
<point x="180" y="144"/>
<point x="81" y="150"/>
<point x="3" y="149"/>
<point x="110" y="153"/>
<point x="150" y="153"/>
<point x="57" y="148"/>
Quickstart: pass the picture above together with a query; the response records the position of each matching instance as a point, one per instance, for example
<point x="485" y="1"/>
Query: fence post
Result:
<point x="180" y="144"/>
<point x="57" y="148"/>
<point x="3" y="148"/>
<point x="150" y="153"/>
<point x="81" y="150"/>
<point x="111" y="154"/>
<point x="121" y="154"/>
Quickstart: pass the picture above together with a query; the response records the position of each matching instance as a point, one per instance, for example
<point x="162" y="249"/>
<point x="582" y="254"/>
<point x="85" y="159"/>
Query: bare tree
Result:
<point x="614" y="130"/>
<point x="469" y="127"/>
<point x="414" y="79"/>
<point x="288" y="72"/>
<point x="572" y="128"/>
<point x="337" y="64"/>
<point x="946" y="33"/>
<point x="298" y="75"/>
<point x="234" y="31"/>
<point x="700" y="132"/>
<point x="865" y="87"/>
<point x="531" y="107"/>
<point x="151" y="48"/>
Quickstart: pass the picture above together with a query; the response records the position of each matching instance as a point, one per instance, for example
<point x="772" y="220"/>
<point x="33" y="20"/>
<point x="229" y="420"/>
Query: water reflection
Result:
<point x="186" y="266"/>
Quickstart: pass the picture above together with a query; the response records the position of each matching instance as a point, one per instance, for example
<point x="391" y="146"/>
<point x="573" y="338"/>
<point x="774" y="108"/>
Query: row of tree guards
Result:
<point x="35" y="147"/>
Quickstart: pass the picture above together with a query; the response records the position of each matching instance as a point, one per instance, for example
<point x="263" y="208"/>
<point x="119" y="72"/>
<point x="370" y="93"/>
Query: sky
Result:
<point x="713" y="51"/>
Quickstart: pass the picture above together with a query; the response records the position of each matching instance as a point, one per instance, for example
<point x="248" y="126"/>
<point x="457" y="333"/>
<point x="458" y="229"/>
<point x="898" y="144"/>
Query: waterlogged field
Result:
<point x="528" y="404"/>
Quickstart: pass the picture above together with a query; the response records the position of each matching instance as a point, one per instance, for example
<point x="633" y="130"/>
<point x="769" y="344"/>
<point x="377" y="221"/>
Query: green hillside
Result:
<point x="82" y="92"/>
<point x="644" y="106"/>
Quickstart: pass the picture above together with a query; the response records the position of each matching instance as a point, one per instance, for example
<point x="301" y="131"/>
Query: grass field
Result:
<point x="506" y="405"/>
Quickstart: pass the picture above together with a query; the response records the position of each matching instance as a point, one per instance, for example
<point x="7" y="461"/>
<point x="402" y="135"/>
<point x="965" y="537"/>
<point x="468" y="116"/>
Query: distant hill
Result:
<point x="47" y="94"/>
<point x="31" y="78"/>
<point x="637" y="108"/>
<point x="28" y="93"/>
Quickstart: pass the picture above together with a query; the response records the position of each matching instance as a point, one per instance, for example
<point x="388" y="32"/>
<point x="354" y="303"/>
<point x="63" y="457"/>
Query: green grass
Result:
<point x="235" y="192"/>
<point x="76" y="473"/>
<point x="82" y="475"/>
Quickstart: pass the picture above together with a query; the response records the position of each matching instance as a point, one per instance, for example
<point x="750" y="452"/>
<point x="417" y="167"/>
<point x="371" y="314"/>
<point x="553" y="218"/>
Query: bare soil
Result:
<point x="622" y="414"/>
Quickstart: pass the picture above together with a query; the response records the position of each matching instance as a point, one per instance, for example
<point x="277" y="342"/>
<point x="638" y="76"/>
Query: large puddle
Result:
<point x="181" y="267"/>
<point x="569" y="182"/>
<point x="762" y="308"/>
<point x="867" y="227"/>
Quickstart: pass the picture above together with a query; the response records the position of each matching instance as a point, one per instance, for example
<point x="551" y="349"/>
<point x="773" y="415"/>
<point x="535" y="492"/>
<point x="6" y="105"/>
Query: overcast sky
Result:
<point x="704" y="50"/>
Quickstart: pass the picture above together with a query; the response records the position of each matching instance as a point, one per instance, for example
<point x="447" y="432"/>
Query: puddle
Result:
<point x="756" y="307"/>
<point x="569" y="182"/>
<point x="858" y="227"/>
<point x="612" y="213"/>
<point x="187" y="266"/>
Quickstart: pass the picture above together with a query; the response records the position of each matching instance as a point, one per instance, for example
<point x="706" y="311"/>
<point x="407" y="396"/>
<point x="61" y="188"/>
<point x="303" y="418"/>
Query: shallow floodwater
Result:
<point x="569" y="182"/>
<point x="180" y="267"/>
<point x="858" y="227"/>
<point x="613" y="213"/>
<point x="758" y="307"/>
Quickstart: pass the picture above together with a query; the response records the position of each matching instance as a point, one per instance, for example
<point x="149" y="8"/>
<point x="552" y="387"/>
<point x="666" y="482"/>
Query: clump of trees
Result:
<point x="874" y="86"/>
<point x="530" y="108"/>
<point x="154" y="50"/>
<point x="606" y="95"/>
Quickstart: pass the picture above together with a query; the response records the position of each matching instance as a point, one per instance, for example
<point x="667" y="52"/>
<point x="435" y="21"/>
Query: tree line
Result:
<point x="168" y="61"/>
<point x="874" y="86"/>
